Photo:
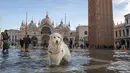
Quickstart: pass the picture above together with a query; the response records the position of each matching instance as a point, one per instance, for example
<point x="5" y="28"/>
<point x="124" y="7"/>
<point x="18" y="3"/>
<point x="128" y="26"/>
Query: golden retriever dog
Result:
<point x="58" y="50"/>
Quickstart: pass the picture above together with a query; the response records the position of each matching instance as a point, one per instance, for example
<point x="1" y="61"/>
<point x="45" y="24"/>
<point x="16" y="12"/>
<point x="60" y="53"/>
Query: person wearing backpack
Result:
<point x="5" y="38"/>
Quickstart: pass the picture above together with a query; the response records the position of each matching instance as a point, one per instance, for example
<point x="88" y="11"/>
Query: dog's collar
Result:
<point x="55" y="53"/>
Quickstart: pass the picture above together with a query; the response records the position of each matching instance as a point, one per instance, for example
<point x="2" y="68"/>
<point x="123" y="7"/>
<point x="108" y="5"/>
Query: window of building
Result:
<point x="71" y="33"/>
<point x="123" y="32"/>
<point x="129" y="21"/>
<point x="85" y="33"/>
<point x="127" y="31"/>
<point x="126" y="21"/>
<point x="120" y="33"/>
<point x="116" y="33"/>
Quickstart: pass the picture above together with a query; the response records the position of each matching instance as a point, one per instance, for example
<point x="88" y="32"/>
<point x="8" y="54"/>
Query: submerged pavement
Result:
<point x="83" y="61"/>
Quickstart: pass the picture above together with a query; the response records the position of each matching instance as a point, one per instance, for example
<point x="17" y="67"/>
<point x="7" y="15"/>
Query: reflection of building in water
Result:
<point x="40" y="34"/>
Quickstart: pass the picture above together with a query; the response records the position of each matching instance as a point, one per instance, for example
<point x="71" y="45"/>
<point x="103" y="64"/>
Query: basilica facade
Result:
<point x="40" y="34"/>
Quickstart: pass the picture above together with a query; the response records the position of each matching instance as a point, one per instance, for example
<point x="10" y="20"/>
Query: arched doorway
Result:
<point x="34" y="40"/>
<point x="46" y="31"/>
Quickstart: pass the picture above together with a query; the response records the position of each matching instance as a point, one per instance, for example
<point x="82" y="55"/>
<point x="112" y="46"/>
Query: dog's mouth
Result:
<point x="56" y="42"/>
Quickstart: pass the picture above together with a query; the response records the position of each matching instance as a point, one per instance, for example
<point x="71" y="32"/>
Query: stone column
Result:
<point x="125" y="42"/>
<point x="125" y="33"/>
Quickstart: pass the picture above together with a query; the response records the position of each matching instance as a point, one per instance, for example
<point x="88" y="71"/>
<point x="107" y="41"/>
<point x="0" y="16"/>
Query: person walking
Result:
<point x="22" y="44"/>
<point x="5" y="38"/>
<point x="123" y="44"/>
<point x="27" y="42"/>
<point x="71" y="44"/>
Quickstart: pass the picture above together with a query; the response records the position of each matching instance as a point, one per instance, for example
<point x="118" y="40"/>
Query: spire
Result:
<point x="69" y="24"/>
<point x="65" y="20"/>
<point x="22" y="23"/>
<point x="61" y="21"/>
<point x="32" y="20"/>
<point x="26" y="22"/>
<point x="39" y="23"/>
<point x="47" y="14"/>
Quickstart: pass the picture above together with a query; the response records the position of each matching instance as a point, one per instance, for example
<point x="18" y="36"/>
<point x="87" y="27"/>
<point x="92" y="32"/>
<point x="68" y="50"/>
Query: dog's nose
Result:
<point x="56" y="42"/>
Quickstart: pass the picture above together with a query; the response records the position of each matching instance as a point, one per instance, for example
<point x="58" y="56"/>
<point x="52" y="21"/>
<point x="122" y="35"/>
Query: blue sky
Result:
<point x="12" y="12"/>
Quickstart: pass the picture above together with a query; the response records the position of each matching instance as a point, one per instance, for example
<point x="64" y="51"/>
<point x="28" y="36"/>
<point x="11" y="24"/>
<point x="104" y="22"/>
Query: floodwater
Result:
<point x="83" y="61"/>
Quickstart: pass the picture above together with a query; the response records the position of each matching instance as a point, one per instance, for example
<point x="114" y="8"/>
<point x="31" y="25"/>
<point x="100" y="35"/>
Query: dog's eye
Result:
<point x="54" y="37"/>
<point x="58" y="37"/>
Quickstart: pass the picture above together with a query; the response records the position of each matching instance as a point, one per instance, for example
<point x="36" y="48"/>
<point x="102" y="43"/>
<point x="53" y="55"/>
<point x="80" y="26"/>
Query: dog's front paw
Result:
<point x="52" y="66"/>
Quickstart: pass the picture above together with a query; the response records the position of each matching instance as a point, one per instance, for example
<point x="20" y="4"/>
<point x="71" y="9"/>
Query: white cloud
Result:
<point x="127" y="7"/>
<point x="120" y="1"/>
<point x="119" y="14"/>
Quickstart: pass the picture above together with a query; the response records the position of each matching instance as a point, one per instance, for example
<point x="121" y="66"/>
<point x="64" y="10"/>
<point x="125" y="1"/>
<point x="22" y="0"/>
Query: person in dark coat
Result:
<point x="70" y="43"/>
<point x="21" y="44"/>
<point x="123" y="44"/>
<point x="5" y="38"/>
<point x="27" y="41"/>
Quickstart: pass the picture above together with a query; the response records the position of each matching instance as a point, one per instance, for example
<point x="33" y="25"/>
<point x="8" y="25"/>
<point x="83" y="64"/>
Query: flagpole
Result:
<point x="26" y="23"/>
<point x="65" y="19"/>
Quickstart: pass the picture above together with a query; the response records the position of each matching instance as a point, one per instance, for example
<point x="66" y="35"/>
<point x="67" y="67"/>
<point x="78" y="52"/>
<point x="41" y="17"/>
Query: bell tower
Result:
<point x="100" y="23"/>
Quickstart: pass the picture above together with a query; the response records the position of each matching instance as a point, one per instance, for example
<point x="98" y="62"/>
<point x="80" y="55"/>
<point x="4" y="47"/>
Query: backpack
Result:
<point x="5" y="36"/>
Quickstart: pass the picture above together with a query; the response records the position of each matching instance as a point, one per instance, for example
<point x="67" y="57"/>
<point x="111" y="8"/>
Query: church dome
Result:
<point x="32" y="26"/>
<point x="46" y="21"/>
